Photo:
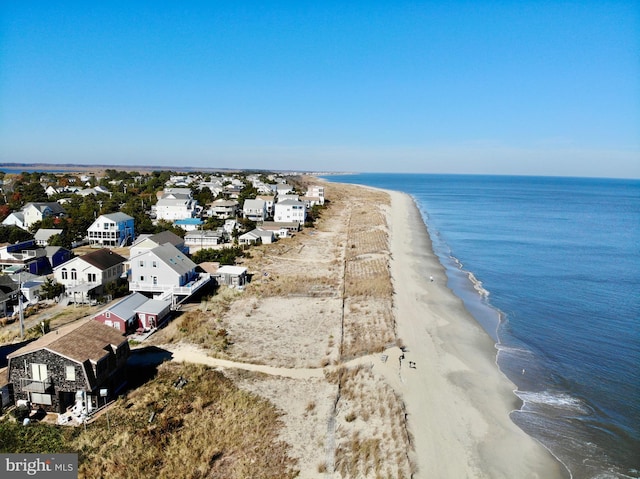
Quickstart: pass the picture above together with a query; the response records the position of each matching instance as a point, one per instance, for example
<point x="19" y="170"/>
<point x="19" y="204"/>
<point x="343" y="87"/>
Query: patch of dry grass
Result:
<point x="372" y="440"/>
<point x="208" y="429"/>
<point x="202" y="326"/>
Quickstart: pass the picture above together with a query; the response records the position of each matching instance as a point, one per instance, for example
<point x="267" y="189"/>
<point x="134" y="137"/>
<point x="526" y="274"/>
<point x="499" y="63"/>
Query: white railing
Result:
<point x="187" y="289"/>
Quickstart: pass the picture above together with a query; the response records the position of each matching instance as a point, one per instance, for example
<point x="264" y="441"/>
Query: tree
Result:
<point x="222" y="256"/>
<point x="50" y="289"/>
<point x="203" y="196"/>
<point x="13" y="234"/>
<point x="164" y="225"/>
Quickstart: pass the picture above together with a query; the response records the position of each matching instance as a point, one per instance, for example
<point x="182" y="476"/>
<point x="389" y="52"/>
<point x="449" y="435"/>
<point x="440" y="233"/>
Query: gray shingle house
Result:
<point x="69" y="365"/>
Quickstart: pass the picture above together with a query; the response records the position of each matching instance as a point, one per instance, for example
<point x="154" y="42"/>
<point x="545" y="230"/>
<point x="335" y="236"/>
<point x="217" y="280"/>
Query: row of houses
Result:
<point x="81" y="366"/>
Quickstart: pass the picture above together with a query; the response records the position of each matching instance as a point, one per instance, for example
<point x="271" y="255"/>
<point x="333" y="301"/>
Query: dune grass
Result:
<point x="207" y="429"/>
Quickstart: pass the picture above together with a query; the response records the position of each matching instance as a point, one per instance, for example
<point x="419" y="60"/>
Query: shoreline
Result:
<point x="457" y="399"/>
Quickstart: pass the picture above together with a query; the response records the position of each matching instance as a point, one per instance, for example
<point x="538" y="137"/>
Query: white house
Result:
<point x="175" y="206"/>
<point x="223" y="209"/>
<point x="113" y="229"/>
<point x="269" y="201"/>
<point x="316" y="192"/>
<point x="31" y="213"/>
<point x="254" y="210"/>
<point x="88" y="274"/>
<point x="199" y="239"/>
<point x="283" y="189"/>
<point x="231" y="275"/>
<point x="165" y="272"/>
<point x="147" y="242"/>
<point x="34" y="212"/>
<point x="257" y="236"/>
<point x="43" y="235"/>
<point x="15" y="218"/>
<point x="290" y="211"/>
<point x="289" y="196"/>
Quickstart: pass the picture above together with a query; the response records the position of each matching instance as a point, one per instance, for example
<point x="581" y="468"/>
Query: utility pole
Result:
<point x="20" y="306"/>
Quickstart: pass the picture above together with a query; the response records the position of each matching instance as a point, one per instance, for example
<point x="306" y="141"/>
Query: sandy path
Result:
<point x="389" y="367"/>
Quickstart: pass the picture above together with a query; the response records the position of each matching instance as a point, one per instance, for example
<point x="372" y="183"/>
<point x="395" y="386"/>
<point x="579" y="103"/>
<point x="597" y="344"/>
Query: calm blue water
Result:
<point x="559" y="262"/>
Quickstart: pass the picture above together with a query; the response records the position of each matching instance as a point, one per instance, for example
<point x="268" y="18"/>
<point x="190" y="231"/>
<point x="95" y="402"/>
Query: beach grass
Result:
<point x="209" y="428"/>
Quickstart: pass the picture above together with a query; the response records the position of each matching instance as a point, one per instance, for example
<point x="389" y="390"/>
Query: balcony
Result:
<point x="186" y="290"/>
<point x="35" y="386"/>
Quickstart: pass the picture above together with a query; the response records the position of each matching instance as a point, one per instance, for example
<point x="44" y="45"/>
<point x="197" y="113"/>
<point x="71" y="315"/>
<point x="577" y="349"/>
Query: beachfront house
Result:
<point x="70" y="365"/>
<point x="166" y="273"/>
<point x="287" y="211"/>
<point x="257" y="236"/>
<point x="199" y="239"/>
<point x="234" y="276"/>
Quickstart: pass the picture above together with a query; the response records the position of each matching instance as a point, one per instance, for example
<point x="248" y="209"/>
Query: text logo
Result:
<point x="50" y="466"/>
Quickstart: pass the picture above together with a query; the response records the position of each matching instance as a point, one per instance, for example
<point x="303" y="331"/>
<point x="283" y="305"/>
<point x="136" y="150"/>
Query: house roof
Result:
<point x="165" y="237"/>
<point x="19" y="215"/>
<point x="188" y="221"/>
<point x="182" y="201"/>
<point x="103" y="258"/>
<point x="117" y="217"/>
<point x="173" y="257"/>
<point x="253" y="204"/>
<point x="7" y="287"/>
<point x="289" y="202"/>
<point x="257" y="233"/>
<point x="51" y="250"/>
<point x="203" y="234"/>
<point x="126" y="307"/>
<point x="43" y="234"/>
<point x="253" y="234"/>
<point x="233" y="270"/>
<point x="153" y="306"/>
<point x="224" y="203"/>
<point x="82" y="341"/>
<point x="55" y="207"/>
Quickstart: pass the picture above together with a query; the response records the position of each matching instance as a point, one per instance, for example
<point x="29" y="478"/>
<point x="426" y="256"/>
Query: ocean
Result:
<point x="550" y="267"/>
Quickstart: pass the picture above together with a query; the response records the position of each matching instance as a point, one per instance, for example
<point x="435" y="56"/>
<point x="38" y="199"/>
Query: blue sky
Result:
<point x="509" y="87"/>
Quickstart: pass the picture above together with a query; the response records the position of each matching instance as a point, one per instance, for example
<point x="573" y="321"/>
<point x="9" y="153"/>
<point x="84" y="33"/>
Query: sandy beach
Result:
<point x="329" y="355"/>
<point x="458" y="402"/>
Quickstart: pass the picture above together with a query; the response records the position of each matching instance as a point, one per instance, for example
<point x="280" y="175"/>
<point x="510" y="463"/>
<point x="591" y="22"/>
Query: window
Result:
<point x="70" y="373"/>
<point x="74" y="274"/>
<point x="155" y="279"/>
<point x="64" y="273"/>
<point x="141" y="264"/>
<point x="39" y="371"/>
<point x="154" y="264"/>
<point x="107" y="314"/>
<point x="91" y="277"/>
<point x="38" y="398"/>
<point x="142" y="278"/>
